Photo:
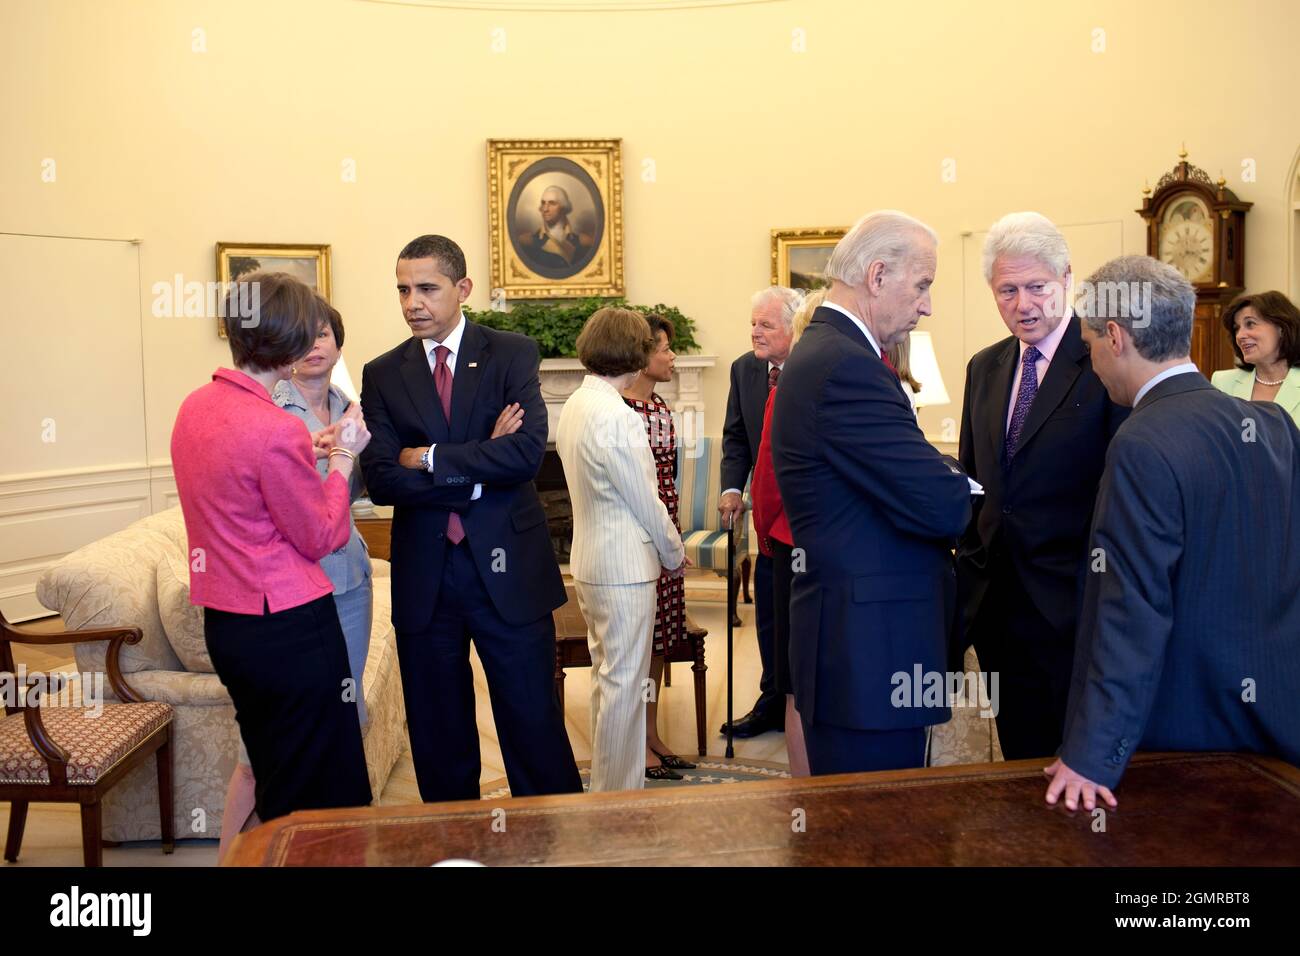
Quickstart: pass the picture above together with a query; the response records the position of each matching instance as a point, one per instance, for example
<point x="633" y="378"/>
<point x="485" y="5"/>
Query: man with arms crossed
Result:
<point x="459" y="429"/>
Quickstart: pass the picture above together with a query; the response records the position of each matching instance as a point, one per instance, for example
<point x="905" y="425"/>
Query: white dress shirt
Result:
<point x="1047" y="348"/>
<point x="452" y="342"/>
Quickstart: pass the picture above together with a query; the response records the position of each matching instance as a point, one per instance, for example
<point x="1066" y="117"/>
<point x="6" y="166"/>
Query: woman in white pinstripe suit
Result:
<point x="622" y="539"/>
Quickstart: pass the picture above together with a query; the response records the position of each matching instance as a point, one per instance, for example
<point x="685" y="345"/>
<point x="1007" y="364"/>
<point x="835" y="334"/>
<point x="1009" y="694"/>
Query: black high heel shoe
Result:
<point x="661" y="773"/>
<point x="673" y="762"/>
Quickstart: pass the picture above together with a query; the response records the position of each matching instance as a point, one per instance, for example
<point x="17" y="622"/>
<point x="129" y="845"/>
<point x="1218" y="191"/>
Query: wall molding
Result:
<point x="46" y="515"/>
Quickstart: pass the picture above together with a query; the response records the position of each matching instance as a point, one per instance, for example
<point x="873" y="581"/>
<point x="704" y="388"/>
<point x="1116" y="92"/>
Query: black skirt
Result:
<point x="286" y="674"/>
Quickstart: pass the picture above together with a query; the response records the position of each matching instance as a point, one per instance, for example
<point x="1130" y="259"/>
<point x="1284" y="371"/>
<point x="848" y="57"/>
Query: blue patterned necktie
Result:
<point x="1024" y="398"/>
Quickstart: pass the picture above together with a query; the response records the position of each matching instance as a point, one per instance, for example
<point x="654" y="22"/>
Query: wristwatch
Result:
<point x="426" y="459"/>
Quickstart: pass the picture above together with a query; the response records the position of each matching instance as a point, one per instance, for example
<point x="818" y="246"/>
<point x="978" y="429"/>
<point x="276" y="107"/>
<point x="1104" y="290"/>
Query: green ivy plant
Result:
<point x="555" y="325"/>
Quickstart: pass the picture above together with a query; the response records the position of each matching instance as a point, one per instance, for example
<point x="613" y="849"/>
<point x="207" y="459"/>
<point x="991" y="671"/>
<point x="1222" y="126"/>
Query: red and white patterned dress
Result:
<point x="670" y="617"/>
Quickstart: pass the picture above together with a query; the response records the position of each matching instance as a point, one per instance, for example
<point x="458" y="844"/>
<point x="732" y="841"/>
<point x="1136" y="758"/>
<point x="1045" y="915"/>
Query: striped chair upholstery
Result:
<point x="699" y="486"/>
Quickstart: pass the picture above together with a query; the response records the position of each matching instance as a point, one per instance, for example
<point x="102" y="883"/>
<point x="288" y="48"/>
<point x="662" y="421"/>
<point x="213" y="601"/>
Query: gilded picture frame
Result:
<point x="306" y="261"/>
<point x="555" y="217"/>
<point x="799" y="256"/>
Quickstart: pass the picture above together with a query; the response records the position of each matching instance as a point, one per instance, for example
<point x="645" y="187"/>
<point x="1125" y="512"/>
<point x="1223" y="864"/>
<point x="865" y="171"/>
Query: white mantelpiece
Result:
<point x="684" y="394"/>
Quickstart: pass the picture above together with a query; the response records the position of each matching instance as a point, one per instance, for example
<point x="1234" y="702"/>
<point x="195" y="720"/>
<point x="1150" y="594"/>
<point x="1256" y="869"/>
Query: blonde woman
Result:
<point x="776" y="541"/>
<point x="900" y="360"/>
<point x="623" y="539"/>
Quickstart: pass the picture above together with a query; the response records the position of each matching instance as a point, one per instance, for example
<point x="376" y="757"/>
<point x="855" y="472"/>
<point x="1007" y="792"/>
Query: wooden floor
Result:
<point x="53" y="835"/>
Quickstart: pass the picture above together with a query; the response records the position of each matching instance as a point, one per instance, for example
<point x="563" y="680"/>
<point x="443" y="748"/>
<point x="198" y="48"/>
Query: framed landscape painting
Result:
<point x="799" y="256"/>
<point x="307" y="263"/>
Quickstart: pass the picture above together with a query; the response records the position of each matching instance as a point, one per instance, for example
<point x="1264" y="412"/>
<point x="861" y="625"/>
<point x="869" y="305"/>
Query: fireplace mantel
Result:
<point x="684" y="394"/>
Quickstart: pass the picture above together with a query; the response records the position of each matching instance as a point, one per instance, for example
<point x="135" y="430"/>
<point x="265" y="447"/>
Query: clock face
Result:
<point x="1187" y="239"/>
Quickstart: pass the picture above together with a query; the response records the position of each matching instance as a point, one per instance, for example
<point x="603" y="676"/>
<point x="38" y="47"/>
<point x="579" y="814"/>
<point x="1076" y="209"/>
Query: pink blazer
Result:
<point x="253" y="500"/>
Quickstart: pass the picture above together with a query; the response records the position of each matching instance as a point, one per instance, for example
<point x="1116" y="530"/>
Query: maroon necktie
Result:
<point x="442" y="382"/>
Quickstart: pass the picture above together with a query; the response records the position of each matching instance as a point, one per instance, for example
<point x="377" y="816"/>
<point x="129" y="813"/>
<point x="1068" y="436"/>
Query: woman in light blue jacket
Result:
<point x="1264" y="329"/>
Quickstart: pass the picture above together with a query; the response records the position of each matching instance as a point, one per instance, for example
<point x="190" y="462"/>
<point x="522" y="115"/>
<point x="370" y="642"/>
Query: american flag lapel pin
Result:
<point x="473" y="364"/>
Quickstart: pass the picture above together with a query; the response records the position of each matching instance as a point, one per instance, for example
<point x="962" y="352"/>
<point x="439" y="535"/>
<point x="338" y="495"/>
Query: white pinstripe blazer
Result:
<point x="622" y="533"/>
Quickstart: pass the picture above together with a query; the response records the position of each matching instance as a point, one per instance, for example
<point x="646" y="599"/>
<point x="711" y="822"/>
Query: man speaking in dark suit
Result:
<point x="1035" y="425"/>
<point x="1189" y="636"/>
<point x="458" y="430"/>
<point x="753" y="375"/>
<point x="873" y="508"/>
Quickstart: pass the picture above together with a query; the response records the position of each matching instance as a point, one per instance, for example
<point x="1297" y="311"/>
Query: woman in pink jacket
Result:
<point x="259" y="519"/>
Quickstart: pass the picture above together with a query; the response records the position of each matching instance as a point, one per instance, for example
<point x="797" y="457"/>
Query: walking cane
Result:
<point x="731" y="618"/>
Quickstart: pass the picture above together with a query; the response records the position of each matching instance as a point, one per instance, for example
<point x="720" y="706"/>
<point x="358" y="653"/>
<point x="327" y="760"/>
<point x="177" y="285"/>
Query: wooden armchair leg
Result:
<point x="17" y="822"/>
<point x="92" y="833"/>
<point x="746" y="567"/>
<point x="701" y="693"/>
<point x="668" y="673"/>
<point x="166" y="796"/>
<point x="733" y="587"/>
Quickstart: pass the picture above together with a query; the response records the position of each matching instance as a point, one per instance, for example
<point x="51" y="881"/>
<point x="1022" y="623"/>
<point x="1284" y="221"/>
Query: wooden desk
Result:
<point x="1175" y="810"/>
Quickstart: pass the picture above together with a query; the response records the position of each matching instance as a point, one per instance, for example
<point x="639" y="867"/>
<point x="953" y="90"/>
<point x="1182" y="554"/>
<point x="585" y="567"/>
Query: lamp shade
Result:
<point x="925" y="369"/>
<point x="343" y="380"/>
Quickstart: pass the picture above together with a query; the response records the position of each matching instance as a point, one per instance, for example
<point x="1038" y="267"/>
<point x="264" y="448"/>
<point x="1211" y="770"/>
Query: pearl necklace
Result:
<point x="1260" y="381"/>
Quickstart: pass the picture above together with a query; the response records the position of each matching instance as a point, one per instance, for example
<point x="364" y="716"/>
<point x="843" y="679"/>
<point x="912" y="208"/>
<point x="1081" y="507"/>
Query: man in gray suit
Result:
<point x="1189" y="633"/>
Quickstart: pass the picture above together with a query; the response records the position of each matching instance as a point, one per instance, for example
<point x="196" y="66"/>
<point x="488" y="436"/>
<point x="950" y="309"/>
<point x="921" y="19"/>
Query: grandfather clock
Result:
<point x="1199" y="228"/>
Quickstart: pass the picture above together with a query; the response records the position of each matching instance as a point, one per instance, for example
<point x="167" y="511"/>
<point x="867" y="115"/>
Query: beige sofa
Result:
<point x="139" y="576"/>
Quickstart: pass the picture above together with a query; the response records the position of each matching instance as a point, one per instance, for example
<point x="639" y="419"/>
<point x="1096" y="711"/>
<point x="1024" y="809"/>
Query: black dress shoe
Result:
<point x="754" y="723"/>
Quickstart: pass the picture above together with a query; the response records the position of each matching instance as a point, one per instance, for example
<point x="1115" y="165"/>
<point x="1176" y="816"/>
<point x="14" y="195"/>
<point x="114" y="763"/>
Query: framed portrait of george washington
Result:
<point x="555" y="214"/>
<point x="309" y="264"/>
<point x="799" y="256"/>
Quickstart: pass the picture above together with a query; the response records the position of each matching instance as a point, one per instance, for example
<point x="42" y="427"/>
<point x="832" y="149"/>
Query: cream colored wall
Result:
<point x="246" y="141"/>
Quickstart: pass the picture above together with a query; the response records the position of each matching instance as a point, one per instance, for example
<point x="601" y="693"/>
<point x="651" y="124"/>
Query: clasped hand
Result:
<point x="348" y="432"/>
<point x="680" y="570"/>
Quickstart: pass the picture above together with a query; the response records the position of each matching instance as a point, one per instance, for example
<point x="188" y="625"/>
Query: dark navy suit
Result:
<point x="1189" y="635"/>
<point x="741" y="431"/>
<point x="875" y="511"/>
<point x="1020" y="564"/>
<point x="498" y="586"/>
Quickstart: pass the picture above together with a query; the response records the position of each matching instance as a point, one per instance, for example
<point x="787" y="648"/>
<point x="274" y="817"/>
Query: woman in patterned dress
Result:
<point x="670" y="616"/>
